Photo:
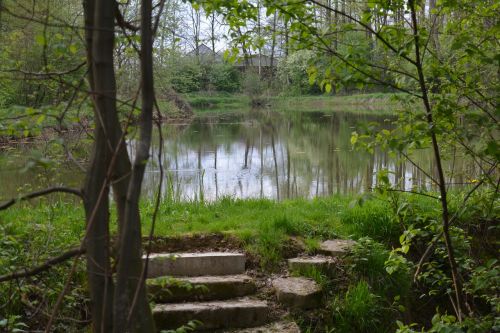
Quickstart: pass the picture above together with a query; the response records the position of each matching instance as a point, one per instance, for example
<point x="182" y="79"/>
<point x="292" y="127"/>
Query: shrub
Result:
<point x="223" y="77"/>
<point x="292" y="72"/>
<point x="183" y="73"/>
<point x="253" y="87"/>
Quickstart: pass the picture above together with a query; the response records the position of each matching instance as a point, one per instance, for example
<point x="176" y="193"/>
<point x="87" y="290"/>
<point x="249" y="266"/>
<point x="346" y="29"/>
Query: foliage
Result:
<point x="31" y="48"/>
<point x="293" y="73"/>
<point x="368" y="260"/>
<point x="443" y="323"/>
<point x="184" y="74"/>
<point x="222" y="77"/>
<point x="28" y="242"/>
<point x="252" y="85"/>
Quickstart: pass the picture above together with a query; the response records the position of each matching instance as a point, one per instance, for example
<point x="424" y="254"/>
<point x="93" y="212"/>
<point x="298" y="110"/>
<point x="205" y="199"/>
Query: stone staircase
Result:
<point x="211" y="288"/>
<point x="296" y="292"/>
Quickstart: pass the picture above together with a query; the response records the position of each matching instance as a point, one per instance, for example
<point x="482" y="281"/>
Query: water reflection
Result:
<point x="274" y="155"/>
<point x="260" y="154"/>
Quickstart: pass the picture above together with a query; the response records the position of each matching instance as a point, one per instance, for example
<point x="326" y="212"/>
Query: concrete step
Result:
<point x="201" y="288"/>
<point x="336" y="247"/>
<point x="275" y="327"/>
<point x="304" y="265"/>
<point x="298" y="292"/>
<point x="239" y="313"/>
<point x="195" y="264"/>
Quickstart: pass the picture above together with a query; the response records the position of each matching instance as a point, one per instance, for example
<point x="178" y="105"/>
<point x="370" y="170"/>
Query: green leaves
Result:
<point x="40" y="40"/>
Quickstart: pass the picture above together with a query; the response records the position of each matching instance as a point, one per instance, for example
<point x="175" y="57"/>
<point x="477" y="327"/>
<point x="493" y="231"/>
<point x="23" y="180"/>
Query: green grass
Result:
<point x="359" y="300"/>
<point x="360" y="310"/>
<point x="248" y="219"/>
<point x="263" y="225"/>
<point x="376" y="103"/>
<point x="242" y="217"/>
<point x="217" y="102"/>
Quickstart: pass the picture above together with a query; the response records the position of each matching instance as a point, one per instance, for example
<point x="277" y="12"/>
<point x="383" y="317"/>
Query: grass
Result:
<point x="379" y="103"/>
<point x="262" y="224"/>
<point x="244" y="217"/>
<point x="217" y="101"/>
<point x="34" y="231"/>
<point x="359" y="310"/>
<point x="251" y="220"/>
<point x="376" y="103"/>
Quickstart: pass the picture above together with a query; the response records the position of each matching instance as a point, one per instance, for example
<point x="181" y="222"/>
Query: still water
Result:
<point x="277" y="155"/>
<point x="256" y="154"/>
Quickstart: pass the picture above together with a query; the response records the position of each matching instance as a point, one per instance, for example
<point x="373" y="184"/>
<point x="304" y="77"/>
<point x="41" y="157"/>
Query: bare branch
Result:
<point x="40" y="193"/>
<point x="24" y="273"/>
<point x="122" y="23"/>
<point x="45" y="74"/>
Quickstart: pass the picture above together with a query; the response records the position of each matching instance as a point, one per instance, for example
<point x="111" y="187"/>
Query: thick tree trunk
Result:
<point x="96" y="188"/>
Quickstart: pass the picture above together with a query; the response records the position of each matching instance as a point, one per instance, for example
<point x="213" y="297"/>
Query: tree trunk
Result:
<point x="110" y="164"/>
<point x="131" y="308"/>
<point x="457" y="282"/>
<point x="273" y="43"/>
<point x="99" y="22"/>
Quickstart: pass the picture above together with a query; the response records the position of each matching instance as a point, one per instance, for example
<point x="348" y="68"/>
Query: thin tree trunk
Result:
<point x="273" y="43"/>
<point x="275" y="167"/>
<point x="131" y="308"/>
<point x="457" y="284"/>
<point x="212" y="35"/>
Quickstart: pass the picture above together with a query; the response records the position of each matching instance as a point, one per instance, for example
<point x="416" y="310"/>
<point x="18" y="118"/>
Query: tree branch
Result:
<point x="40" y="193"/>
<point x="24" y="273"/>
<point x="45" y="74"/>
<point x="122" y="23"/>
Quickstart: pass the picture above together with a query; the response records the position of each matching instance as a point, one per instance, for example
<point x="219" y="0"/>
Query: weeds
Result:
<point x="372" y="219"/>
<point x="359" y="311"/>
<point x="368" y="260"/>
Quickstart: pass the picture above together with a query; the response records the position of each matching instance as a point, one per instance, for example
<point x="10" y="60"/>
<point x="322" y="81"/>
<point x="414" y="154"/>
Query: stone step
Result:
<point x="303" y="265"/>
<point x="201" y="288"/>
<point x="239" y="313"/>
<point x="195" y="264"/>
<point x="336" y="247"/>
<point x="275" y="327"/>
<point x="298" y="292"/>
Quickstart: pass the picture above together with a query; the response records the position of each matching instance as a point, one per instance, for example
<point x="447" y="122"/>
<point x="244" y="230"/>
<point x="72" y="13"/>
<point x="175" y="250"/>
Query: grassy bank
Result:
<point x="380" y="103"/>
<point x="268" y="230"/>
<point x="19" y="121"/>
<point x="261" y="224"/>
<point x="363" y="298"/>
<point x="224" y="102"/>
<point x="375" y="103"/>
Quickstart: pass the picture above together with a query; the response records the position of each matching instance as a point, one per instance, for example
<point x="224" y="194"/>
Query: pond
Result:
<point x="265" y="154"/>
<point x="257" y="154"/>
